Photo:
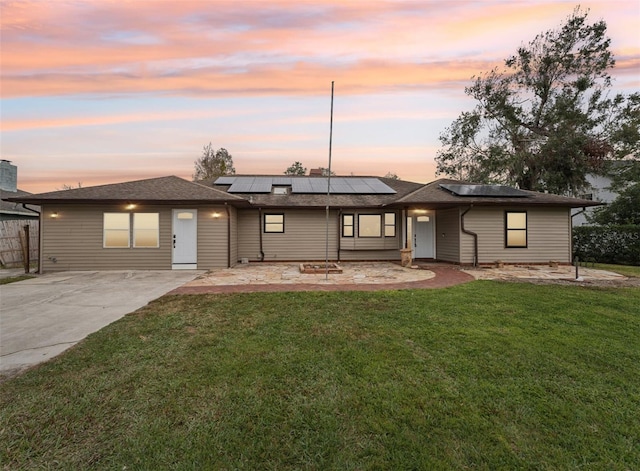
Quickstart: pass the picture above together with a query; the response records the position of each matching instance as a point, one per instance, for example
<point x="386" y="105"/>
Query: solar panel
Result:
<point x="281" y="180"/>
<point x="308" y="185"/>
<point x="261" y="185"/>
<point x="225" y="180"/>
<point x="301" y="185"/>
<point x="484" y="190"/>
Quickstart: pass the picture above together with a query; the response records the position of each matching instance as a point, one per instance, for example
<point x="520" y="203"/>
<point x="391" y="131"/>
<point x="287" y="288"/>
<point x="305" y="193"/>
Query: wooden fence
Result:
<point x="13" y="241"/>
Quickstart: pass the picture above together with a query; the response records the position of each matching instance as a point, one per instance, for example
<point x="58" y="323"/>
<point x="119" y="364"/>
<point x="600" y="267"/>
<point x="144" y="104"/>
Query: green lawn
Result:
<point x="626" y="270"/>
<point x="485" y="375"/>
<point x="13" y="279"/>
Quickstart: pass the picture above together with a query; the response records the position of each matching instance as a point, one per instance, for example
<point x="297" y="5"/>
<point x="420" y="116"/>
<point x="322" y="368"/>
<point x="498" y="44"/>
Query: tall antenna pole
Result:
<point x="326" y="258"/>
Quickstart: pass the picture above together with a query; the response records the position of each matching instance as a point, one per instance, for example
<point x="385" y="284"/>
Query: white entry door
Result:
<point x="185" y="239"/>
<point x="423" y="237"/>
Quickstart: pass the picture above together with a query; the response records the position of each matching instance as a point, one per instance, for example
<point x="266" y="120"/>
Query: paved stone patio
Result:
<point x="370" y="276"/>
<point x="542" y="272"/>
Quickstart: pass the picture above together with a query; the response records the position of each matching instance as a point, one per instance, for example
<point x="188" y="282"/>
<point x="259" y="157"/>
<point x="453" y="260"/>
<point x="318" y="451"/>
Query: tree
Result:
<point x="393" y="176"/>
<point x="70" y="187"/>
<point x="296" y="169"/>
<point x="625" y="209"/>
<point x="546" y="120"/>
<point x="213" y="164"/>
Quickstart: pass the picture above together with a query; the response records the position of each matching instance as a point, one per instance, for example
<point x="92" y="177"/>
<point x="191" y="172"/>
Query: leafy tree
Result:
<point x="213" y="164"/>
<point x="624" y="210"/>
<point x="70" y="187"/>
<point x="296" y="169"/>
<point x="393" y="176"/>
<point x="545" y="120"/>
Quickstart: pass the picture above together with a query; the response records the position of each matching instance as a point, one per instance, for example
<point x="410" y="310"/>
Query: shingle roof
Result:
<point x="434" y="195"/>
<point x="172" y="189"/>
<point x="9" y="207"/>
<point x="153" y="190"/>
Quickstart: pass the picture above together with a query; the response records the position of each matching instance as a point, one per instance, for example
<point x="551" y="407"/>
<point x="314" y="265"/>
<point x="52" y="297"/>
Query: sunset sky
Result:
<point x="105" y="91"/>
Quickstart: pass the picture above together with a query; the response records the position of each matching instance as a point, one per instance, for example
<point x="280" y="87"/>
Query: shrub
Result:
<point x="607" y="244"/>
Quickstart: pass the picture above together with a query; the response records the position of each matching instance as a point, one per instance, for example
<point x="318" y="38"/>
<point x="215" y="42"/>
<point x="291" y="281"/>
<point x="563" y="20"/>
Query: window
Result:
<point x="347" y="225"/>
<point x="516" y="229"/>
<point x="146" y="228"/>
<point x="274" y="223"/>
<point x="369" y="225"/>
<point x="116" y="230"/>
<point x="389" y="224"/>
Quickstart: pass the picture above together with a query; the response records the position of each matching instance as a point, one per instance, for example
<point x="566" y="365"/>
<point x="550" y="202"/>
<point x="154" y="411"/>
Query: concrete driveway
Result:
<point x="44" y="316"/>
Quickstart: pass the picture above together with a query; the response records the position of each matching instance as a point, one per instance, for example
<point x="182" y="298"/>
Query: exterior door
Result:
<point x="185" y="239"/>
<point x="423" y="237"/>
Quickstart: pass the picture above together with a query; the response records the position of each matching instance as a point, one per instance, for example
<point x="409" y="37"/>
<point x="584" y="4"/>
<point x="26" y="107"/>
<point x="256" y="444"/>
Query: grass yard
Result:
<point x="13" y="279"/>
<point x="626" y="270"/>
<point x="485" y="375"/>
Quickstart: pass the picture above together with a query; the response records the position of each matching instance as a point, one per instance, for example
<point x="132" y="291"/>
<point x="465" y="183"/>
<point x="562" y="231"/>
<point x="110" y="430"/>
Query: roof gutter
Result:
<point x="260" y="233"/>
<point x="471" y="233"/>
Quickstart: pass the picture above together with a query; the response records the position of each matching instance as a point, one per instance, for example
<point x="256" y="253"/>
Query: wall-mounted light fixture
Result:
<point x="54" y="215"/>
<point x="215" y="215"/>
<point x="131" y="206"/>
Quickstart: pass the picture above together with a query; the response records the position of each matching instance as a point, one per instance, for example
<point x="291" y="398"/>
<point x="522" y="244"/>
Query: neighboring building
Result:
<point x="9" y="189"/>
<point x="13" y="217"/>
<point x="171" y="223"/>
<point x="599" y="191"/>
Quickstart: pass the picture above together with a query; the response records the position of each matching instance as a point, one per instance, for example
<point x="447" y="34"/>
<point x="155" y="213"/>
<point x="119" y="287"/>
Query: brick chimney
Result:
<point x="8" y="176"/>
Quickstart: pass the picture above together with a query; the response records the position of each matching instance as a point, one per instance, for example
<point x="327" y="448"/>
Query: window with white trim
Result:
<point x="120" y="229"/>
<point x="146" y="230"/>
<point x="116" y="230"/>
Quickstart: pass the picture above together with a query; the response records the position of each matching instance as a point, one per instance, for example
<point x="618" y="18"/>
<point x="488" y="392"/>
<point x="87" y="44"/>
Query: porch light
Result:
<point x="131" y="206"/>
<point x="215" y="215"/>
<point x="54" y="215"/>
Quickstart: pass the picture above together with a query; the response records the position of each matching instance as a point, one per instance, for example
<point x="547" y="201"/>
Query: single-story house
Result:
<point x="172" y="223"/>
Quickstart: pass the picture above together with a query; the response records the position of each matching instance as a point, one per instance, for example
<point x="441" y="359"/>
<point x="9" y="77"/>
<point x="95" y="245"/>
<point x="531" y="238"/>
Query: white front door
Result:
<point x="185" y="239"/>
<point x="423" y="237"/>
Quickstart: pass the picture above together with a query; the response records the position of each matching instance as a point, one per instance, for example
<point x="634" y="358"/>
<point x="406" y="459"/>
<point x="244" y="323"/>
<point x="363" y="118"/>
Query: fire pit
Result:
<point x="320" y="268"/>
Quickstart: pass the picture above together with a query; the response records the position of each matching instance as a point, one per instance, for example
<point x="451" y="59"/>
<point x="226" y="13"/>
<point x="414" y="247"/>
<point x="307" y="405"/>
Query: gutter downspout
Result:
<point x="40" y="218"/>
<point x="471" y="233"/>
<point x="226" y="207"/>
<point x="260" y="232"/>
<point x="339" y="231"/>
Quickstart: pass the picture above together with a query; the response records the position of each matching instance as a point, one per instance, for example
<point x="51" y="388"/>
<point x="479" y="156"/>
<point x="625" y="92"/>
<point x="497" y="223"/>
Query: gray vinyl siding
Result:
<point x="367" y="255"/>
<point x="233" y="246"/>
<point x="548" y="236"/>
<point x="304" y="236"/>
<point x="448" y="235"/>
<point x="75" y="239"/>
<point x="212" y="238"/>
<point x="248" y="234"/>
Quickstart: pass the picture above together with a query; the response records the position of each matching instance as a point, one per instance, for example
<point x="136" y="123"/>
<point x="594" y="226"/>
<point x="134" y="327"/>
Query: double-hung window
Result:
<point x="116" y="230"/>
<point x="389" y="224"/>
<point x="347" y="225"/>
<point x="516" y="229"/>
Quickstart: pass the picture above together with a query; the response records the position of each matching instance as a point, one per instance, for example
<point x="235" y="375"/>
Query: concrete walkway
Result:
<point x="44" y="316"/>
